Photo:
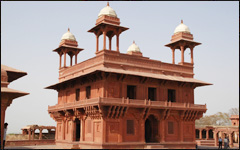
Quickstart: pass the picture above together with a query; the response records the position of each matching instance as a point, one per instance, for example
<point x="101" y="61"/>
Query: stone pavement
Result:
<point x="55" y="147"/>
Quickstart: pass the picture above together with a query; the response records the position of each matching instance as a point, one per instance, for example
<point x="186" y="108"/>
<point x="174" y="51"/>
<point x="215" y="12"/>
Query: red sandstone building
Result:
<point x="125" y="100"/>
<point x="8" y="75"/>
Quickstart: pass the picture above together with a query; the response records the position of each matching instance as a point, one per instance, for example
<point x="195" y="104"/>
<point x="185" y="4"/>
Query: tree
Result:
<point x="219" y="119"/>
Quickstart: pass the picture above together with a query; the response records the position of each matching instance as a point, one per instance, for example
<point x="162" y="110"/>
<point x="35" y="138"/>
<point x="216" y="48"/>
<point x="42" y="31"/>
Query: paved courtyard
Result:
<point x="55" y="147"/>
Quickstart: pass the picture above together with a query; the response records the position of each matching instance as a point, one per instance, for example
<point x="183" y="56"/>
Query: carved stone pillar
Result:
<point x="110" y="43"/>
<point x="82" y="136"/>
<point x="207" y="134"/>
<point x="97" y="37"/>
<point x="29" y="134"/>
<point x="230" y="140"/>
<point x="182" y="53"/>
<point x="104" y="40"/>
<point x="75" y="58"/>
<point x="200" y="134"/>
<point x="40" y="134"/>
<point x="64" y="59"/>
<point x="71" y="60"/>
<point x="191" y="48"/>
<point x="60" y="61"/>
<point x="117" y="42"/>
<point x="162" y="135"/>
<point x="33" y="133"/>
<point x="173" y="55"/>
<point x="215" y="138"/>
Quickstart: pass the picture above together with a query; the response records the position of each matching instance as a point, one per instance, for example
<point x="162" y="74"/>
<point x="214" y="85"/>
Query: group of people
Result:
<point x="226" y="143"/>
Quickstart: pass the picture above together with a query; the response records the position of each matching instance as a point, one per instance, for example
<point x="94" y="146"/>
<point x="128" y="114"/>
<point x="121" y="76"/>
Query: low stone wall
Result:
<point x="29" y="142"/>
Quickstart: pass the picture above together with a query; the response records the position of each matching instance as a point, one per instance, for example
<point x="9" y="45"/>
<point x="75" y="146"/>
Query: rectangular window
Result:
<point x="131" y="92"/>
<point x="88" y="92"/>
<point x="77" y="94"/>
<point x="152" y="93"/>
<point x="170" y="128"/>
<point x="130" y="127"/>
<point x="171" y="95"/>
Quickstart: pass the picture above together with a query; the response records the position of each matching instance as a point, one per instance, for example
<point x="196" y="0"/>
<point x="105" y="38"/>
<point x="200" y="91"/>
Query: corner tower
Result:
<point x="182" y="39"/>
<point x="107" y="24"/>
<point x="68" y="45"/>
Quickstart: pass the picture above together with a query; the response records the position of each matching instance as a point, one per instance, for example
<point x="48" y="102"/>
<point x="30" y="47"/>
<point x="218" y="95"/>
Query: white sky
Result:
<point x="31" y="30"/>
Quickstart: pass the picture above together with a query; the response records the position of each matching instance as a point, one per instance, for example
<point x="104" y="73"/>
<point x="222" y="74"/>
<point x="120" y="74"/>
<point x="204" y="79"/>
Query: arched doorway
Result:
<point x="77" y="127"/>
<point x="204" y="134"/>
<point x="151" y="129"/>
<point x="210" y="133"/>
<point x="197" y="134"/>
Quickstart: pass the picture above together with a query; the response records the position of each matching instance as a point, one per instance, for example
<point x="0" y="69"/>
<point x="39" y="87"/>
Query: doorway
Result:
<point x="78" y="127"/>
<point x="151" y="129"/>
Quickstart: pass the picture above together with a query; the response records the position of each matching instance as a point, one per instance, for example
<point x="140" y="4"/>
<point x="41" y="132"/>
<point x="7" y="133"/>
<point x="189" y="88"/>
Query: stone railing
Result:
<point x="126" y="102"/>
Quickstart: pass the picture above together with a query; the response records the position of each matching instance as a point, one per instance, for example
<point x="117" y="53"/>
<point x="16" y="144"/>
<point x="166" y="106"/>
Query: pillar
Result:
<point x="63" y="130"/>
<point x="142" y="130"/>
<point x="64" y="59"/>
<point x="207" y="134"/>
<point x="73" y="130"/>
<point x="191" y="48"/>
<point x="75" y="58"/>
<point x="215" y="138"/>
<point x="60" y="65"/>
<point x="162" y="135"/>
<point x="33" y="133"/>
<point x="173" y="55"/>
<point x="230" y="140"/>
<point x="104" y="40"/>
<point x="29" y="134"/>
<point x="82" y="136"/>
<point x="104" y="131"/>
<point x="110" y="43"/>
<point x="182" y="53"/>
<point x="97" y="43"/>
<point x="117" y="42"/>
<point x="200" y="134"/>
<point x="71" y="60"/>
<point x="40" y="134"/>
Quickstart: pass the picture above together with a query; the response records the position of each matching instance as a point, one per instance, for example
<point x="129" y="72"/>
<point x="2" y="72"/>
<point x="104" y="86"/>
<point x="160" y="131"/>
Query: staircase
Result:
<point x="154" y="146"/>
<point x="206" y="142"/>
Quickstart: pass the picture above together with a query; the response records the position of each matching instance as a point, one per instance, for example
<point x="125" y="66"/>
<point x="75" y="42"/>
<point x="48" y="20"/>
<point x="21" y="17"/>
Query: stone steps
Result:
<point x="154" y="147"/>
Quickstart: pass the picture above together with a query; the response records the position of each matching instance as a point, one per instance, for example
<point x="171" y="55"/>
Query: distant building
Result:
<point x="208" y="135"/>
<point x="125" y="100"/>
<point x="8" y="75"/>
<point x="30" y="131"/>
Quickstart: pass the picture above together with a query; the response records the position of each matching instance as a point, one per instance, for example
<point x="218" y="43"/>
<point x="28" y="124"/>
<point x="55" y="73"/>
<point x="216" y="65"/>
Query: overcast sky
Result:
<point x="31" y="30"/>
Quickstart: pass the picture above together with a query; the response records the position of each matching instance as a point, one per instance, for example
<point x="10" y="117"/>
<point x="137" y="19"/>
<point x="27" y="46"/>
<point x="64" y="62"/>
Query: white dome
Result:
<point x="107" y="11"/>
<point x="133" y="48"/>
<point x="68" y="36"/>
<point x="181" y="28"/>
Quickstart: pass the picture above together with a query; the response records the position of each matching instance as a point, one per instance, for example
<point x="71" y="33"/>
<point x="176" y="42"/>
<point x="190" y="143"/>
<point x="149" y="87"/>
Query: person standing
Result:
<point x="5" y="134"/>
<point x="225" y="143"/>
<point x="220" y="143"/>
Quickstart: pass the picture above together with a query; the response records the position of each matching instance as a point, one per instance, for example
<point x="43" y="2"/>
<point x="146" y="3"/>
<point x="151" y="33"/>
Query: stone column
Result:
<point x="173" y="55"/>
<point x="60" y="65"/>
<point x="82" y="136"/>
<point x="33" y="133"/>
<point x="73" y="131"/>
<point x="215" y="138"/>
<point x="63" y="130"/>
<point x="29" y="134"/>
<point x="104" y="40"/>
<point x="117" y="42"/>
<point x="182" y="53"/>
<point x="142" y="128"/>
<point x="75" y="58"/>
<point x="40" y="134"/>
<point x="230" y="140"/>
<point x="191" y="48"/>
<point x="200" y="134"/>
<point x="207" y="134"/>
<point x="71" y="60"/>
<point x="110" y="43"/>
<point x="97" y="43"/>
<point x="237" y="137"/>
<point x="64" y="59"/>
<point x="162" y="135"/>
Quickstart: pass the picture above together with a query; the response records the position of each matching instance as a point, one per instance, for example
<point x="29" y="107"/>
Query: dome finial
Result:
<point x="68" y="29"/>
<point x="107" y="3"/>
<point x="181" y="21"/>
<point x="133" y="41"/>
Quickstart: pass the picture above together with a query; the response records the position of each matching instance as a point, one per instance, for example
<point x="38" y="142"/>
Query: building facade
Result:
<point x="125" y="100"/>
<point x="8" y="74"/>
